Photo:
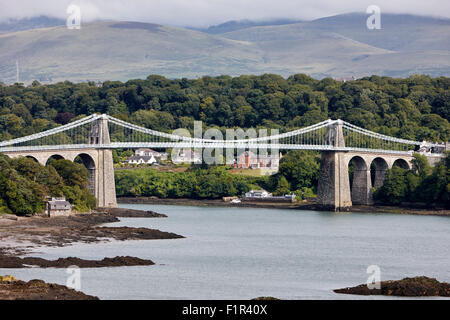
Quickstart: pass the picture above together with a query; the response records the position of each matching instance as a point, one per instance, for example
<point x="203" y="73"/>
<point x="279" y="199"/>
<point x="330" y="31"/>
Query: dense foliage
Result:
<point x="24" y="184"/>
<point x="212" y="183"/>
<point x="416" y="108"/>
<point x="298" y="173"/>
<point x="421" y="184"/>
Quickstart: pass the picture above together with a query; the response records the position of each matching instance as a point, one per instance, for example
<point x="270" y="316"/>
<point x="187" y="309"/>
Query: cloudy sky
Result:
<point x="201" y="13"/>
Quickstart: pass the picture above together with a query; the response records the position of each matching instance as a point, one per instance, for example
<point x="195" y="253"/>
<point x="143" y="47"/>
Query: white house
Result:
<point x="142" y="160"/>
<point x="258" y="194"/>
<point x="146" y="156"/>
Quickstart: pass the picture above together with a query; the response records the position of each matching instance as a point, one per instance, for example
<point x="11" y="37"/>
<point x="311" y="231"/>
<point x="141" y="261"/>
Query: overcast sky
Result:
<point x="201" y="13"/>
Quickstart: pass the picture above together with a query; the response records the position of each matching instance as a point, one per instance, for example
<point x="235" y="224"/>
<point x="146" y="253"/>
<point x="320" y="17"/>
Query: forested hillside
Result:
<point x="415" y="108"/>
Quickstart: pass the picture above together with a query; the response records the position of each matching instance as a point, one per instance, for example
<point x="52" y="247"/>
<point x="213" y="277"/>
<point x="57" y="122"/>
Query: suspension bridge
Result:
<point x="93" y="138"/>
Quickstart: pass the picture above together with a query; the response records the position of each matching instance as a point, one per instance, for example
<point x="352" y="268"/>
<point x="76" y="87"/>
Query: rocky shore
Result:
<point x="407" y="287"/>
<point x="13" y="289"/>
<point x="131" y="213"/>
<point x="20" y="235"/>
<point x="13" y="262"/>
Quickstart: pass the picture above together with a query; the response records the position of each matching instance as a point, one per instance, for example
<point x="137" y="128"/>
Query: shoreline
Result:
<point x="307" y="205"/>
<point x="23" y="236"/>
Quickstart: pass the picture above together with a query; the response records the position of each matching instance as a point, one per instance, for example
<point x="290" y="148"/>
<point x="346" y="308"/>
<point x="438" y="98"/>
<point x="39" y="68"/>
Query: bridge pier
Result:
<point x="334" y="185"/>
<point x="105" y="187"/>
<point x="381" y="167"/>
<point x="105" y="190"/>
<point x="362" y="187"/>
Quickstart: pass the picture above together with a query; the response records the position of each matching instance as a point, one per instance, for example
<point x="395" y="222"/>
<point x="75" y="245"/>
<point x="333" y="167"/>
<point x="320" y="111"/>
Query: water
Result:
<point x="232" y="253"/>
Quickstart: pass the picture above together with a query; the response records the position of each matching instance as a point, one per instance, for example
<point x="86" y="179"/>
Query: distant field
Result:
<point x="160" y="169"/>
<point x="247" y="172"/>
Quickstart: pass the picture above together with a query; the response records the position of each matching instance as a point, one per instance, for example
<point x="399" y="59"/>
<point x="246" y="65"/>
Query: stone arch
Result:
<point x="89" y="162"/>
<point x="54" y="156"/>
<point x="360" y="184"/>
<point x="402" y="163"/>
<point x="378" y="169"/>
<point x="32" y="158"/>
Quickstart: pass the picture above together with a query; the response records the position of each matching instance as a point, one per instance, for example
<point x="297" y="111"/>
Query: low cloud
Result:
<point x="201" y="13"/>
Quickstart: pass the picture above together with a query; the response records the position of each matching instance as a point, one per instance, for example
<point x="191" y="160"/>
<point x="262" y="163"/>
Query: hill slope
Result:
<point x="120" y="50"/>
<point x="411" y="44"/>
<point x="329" y="47"/>
<point x="14" y="25"/>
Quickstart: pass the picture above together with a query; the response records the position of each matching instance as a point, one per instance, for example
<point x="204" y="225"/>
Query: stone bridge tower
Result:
<point x="102" y="175"/>
<point x="334" y="184"/>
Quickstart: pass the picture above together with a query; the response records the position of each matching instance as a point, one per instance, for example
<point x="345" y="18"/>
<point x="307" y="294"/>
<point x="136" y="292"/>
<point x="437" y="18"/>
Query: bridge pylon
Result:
<point x="104" y="184"/>
<point x="334" y="184"/>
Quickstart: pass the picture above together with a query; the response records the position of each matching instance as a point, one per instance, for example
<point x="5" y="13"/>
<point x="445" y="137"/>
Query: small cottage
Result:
<point x="142" y="160"/>
<point x="58" y="207"/>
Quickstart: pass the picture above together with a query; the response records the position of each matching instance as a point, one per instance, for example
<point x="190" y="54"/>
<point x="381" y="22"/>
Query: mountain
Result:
<point x="405" y="44"/>
<point x="14" y="25"/>
<point x="398" y="32"/>
<point x="337" y="46"/>
<point x="234" y="25"/>
<point x="120" y="50"/>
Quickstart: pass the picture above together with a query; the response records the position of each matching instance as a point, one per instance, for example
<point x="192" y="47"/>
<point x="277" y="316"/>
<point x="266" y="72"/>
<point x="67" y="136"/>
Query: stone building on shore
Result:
<point x="55" y="207"/>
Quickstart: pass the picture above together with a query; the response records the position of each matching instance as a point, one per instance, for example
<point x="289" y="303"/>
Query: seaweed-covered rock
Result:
<point x="407" y="287"/>
<point x="38" y="290"/>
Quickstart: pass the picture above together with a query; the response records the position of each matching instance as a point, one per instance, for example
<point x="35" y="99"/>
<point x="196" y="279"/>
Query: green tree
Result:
<point x="300" y="168"/>
<point x="282" y="187"/>
<point x="395" y="187"/>
<point x="421" y="166"/>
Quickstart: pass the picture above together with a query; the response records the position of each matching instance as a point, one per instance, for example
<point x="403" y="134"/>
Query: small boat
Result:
<point x="235" y="201"/>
